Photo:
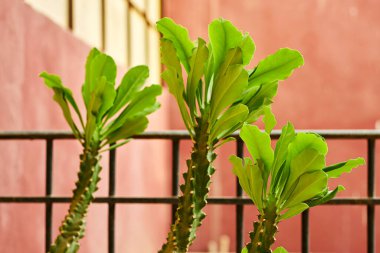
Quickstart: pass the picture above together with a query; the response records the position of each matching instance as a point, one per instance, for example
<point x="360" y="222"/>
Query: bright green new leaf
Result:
<point x="173" y="77"/>
<point x="281" y="151"/>
<point x="130" y="84"/>
<point x="258" y="144"/>
<point x="245" y="250"/>
<point x="269" y="119"/>
<point x="98" y="65"/>
<point x="338" y="169"/>
<point x="179" y="36"/>
<point x="224" y="36"/>
<point x="197" y="68"/>
<point x="293" y="211"/>
<point x="229" y="84"/>
<point x="229" y="122"/>
<point x="280" y="250"/>
<point x="275" y="67"/>
<point x="260" y="96"/>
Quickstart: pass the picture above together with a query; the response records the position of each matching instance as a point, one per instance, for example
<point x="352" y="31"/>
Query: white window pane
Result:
<point x="116" y="30"/>
<point x="87" y="21"/>
<point x="137" y="39"/>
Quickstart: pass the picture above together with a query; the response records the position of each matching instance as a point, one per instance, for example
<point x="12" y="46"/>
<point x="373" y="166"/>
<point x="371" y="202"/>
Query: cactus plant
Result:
<point x="219" y="96"/>
<point x="284" y="182"/>
<point x="113" y="116"/>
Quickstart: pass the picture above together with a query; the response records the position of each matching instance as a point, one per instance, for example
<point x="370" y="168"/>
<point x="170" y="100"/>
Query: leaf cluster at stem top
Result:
<point x="216" y="84"/>
<point x="113" y="114"/>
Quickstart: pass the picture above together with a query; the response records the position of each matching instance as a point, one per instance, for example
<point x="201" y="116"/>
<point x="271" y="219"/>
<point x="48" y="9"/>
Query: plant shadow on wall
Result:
<point x="220" y="97"/>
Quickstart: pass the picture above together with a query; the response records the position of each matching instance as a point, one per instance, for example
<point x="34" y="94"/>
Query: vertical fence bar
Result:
<point x="305" y="231"/>
<point x="371" y="194"/>
<point x="175" y="173"/>
<point x="48" y="191"/>
<point x="103" y="20"/>
<point x="239" y="208"/>
<point x="111" y="206"/>
<point x="70" y="15"/>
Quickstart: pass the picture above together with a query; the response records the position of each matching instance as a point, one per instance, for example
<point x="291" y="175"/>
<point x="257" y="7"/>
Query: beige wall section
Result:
<point x="56" y="10"/>
<point x="87" y="21"/>
<point x="116" y="30"/>
<point x="139" y="45"/>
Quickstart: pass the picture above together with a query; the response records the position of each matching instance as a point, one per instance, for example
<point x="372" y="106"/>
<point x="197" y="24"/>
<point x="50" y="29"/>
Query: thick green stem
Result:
<point x="73" y="226"/>
<point x="263" y="235"/>
<point x="195" y="190"/>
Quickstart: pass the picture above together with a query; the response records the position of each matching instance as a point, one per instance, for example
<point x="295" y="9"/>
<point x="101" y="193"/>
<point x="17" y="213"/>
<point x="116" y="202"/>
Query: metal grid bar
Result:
<point x="371" y="194"/>
<point x="111" y="206"/>
<point x="239" y="210"/>
<point x="175" y="136"/>
<point x="175" y="174"/>
<point x="48" y="192"/>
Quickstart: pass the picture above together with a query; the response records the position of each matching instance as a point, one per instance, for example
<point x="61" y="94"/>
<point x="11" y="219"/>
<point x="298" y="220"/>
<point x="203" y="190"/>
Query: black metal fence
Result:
<point x="239" y="201"/>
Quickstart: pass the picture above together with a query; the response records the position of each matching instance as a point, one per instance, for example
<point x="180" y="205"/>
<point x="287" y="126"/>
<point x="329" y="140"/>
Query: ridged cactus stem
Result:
<point x="195" y="190"/>
<point x="73" y="226"/>
<point x="263" y="235"/>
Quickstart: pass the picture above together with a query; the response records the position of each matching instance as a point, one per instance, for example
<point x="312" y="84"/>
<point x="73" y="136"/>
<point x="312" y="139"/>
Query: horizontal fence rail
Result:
<point x="370" y="201"/>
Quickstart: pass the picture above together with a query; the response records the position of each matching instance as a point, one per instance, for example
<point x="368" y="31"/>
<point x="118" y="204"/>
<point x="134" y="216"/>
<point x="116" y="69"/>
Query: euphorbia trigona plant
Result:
<point x="219" y="96"/>
<point x="113" y="116"/>
<point x="284" y="182"/>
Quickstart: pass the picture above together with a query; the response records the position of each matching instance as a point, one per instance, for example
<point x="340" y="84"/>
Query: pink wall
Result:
<point x="338" y="88"/>
<point x="29" y="44"/>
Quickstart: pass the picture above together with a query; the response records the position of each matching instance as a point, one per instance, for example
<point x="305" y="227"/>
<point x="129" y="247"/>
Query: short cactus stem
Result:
<point x="265" y="229"/>
<point x="73" y="226"/>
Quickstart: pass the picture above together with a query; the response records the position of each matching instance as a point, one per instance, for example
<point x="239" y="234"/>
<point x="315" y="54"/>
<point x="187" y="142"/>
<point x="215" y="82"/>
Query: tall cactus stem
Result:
<point x="264" y="230"/>
<point x="73" y="226"/>
<point x="189" y="214"/>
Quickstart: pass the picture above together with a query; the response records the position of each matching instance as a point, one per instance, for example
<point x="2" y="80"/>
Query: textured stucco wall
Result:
<point x="338" y="88"/>
<point x="29" y="44"/>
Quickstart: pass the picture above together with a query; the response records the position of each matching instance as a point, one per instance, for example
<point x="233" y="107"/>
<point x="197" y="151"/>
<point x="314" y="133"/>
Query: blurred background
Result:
<point x="337" y="88"/>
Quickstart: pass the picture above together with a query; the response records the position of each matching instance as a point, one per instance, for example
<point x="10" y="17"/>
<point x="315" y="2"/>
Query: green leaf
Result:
<point x="275" y="67"/>
<point x="336" y="170"/>
<point x="131" y="127"/>
<point x="97" y="66"/>
<point x="260" y="96"/>
<point x="228" y="85"/>
<point x="224" y="36"/>
<point x="54" y="82"/>
<point x="324" y="198"/>
<point x="293" y="211"/>
<point x="245" y="250"/>
<point x="307" y="160"/>
<point x="248" y="48"/>
<point x="280" y="250"/>
<point x="307" y="140"/>
<point x="229" y="122"/>
<point x="142" y="104"/>
<point x="280" y="171"/>
<point x="173" y="77"/>
<point x="197" y="67"/>
<point x="61" y="96"/>
<point x="258" y="144"/>
<point x="179" y="36"/>
<point x="250" y="179"/>
<point x="307" y="186"/>
<point x="280" y="153"/>
<point x="269" y="120"/>
<point x="132" y="81"/>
